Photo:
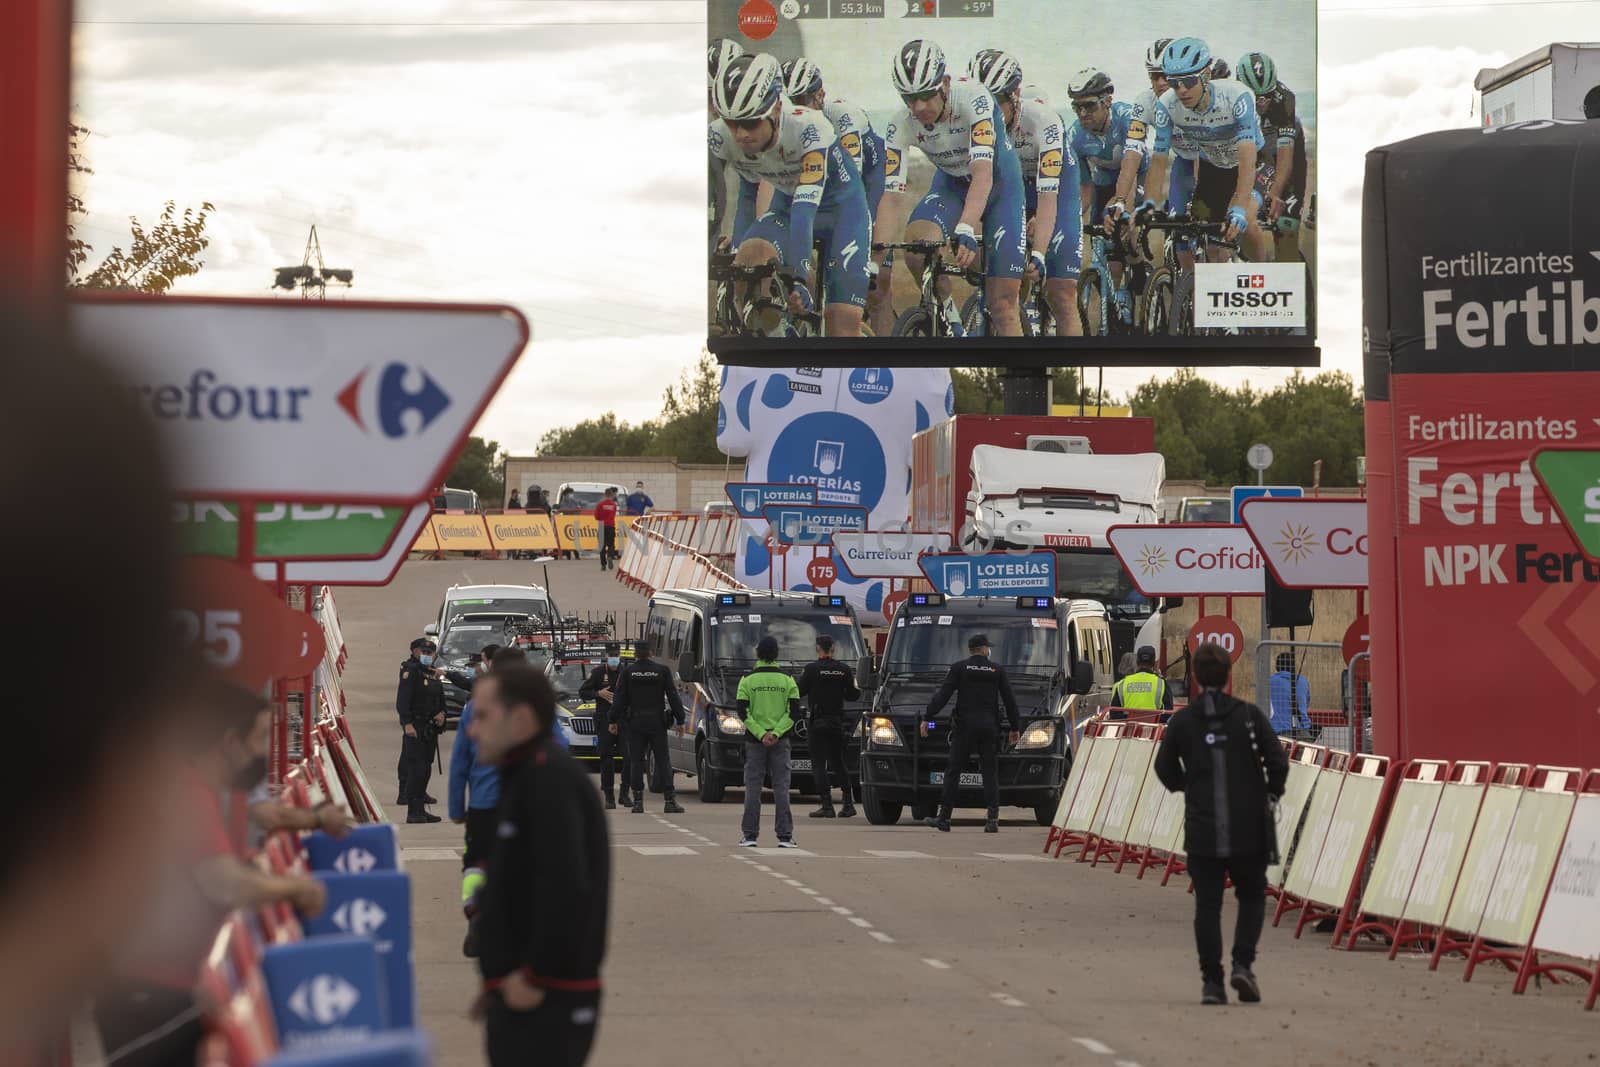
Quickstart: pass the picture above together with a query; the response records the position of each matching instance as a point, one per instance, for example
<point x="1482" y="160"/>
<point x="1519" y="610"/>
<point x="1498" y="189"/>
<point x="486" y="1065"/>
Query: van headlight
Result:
<point x="1041" y="734"/>
<point x="730" y="724"/>
<point x="884" y="732"/>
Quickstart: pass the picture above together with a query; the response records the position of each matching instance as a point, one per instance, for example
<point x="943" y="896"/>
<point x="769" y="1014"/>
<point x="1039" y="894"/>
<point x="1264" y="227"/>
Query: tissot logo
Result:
<point x="1250" y="281"/>
<point x="395" y="395"/>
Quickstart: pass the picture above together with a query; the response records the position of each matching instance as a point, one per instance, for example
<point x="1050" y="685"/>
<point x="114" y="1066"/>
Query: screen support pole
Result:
<point x="1026" y="391"/>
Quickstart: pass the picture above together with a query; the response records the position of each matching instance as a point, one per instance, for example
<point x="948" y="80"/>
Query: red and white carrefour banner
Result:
<point x="1310" y="544"/>
<point x="1194" y="559"/>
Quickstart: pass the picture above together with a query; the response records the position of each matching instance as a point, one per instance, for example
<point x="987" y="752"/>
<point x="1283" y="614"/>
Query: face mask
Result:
<point x="250" y="775"/>
<point x="613" y="661"/>
<point x="427" y="660"/>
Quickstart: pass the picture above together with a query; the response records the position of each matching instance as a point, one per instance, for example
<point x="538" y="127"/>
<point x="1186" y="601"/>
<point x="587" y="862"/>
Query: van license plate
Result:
<point x="800" y="765"/>
<point x="970" y="778"/>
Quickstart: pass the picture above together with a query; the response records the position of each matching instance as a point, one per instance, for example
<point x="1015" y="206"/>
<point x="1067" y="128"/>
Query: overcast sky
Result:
<point x="461" y="151"/>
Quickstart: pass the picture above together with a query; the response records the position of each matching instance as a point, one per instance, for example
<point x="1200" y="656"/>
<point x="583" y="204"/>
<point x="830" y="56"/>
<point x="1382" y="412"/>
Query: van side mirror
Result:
<point x="688" y="670"/>
<point x="431" y="630"/>
<point x="1082" y="676"/>
<point x="865" y="677"/>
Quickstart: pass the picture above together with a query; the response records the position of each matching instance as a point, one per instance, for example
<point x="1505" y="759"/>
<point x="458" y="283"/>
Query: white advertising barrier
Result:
<point x="1310" y="544"/>
<point x="1570" y="923"/>
<point x="1147" y="809"/>
<point x="261" y="393"/>
<point x="1304" y="770"/>
<point x="1189" y="560"/>
<point x="1122" y="789"/>
<point x="1069" y="791"/>
<point x="1167" y="834"/>
<point x="1439" y="867"/>
<point x="1532" y="845"/>
<point x="1405" y="838"/>
<point x="886" y="553"/>
<point x="1314" y="833"/>
<point x="1495" y="814"/>
<point x="1096" y="776"/>
<point x="1344" y="851"/>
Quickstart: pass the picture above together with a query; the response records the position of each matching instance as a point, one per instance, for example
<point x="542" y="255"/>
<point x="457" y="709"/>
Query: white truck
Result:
<point x="1064" y="503"/>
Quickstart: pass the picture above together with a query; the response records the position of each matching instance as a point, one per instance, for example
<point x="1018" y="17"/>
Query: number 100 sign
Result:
<point x="1217" y="630"/>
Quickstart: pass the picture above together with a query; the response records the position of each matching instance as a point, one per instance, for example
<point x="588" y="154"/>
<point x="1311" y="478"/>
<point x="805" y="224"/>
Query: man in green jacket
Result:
<point x="769" y="704"/>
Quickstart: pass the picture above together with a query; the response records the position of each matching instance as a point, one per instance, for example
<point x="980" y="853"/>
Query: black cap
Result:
<point x="977" y="641"/>
<point x="641" y="649"/>
<point x="423" y="642"/>
<point x="1146" y="654"/>
<point x="825" y="642"/>
<point x="613" y="649"/>
<point x="767" y="648"/>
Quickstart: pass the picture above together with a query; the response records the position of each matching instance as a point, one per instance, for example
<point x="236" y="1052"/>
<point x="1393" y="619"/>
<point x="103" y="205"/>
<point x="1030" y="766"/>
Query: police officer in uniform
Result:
<point x="1144" y="689"/>
<point x="827" y="684"/>
<point x="980" y="687"/>
<point x="646" y="701"/>
<point x="601" y="688"/>
<point x="420" y="704"/>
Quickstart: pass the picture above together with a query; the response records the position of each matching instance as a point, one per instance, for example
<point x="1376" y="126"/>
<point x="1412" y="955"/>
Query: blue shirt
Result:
<point x="1099" y="155"/>
<point x="1284" y="701"/>
<point x="468" y="776"/>
<point x="637" y="502"/>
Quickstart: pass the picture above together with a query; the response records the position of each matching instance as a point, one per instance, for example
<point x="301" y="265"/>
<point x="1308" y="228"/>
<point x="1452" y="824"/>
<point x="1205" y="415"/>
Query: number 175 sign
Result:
<point x="235" y="625"/>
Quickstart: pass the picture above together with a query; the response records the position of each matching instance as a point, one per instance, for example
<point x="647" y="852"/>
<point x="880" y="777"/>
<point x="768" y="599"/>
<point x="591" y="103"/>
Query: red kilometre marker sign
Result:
<point x="891" y="604"/>
<point x="1217" y="630"/>
<point x="1358" y="639"/>
<point x="237" y="625"/>
<point x="821" y="572"/>
<point x="758" y="19"/>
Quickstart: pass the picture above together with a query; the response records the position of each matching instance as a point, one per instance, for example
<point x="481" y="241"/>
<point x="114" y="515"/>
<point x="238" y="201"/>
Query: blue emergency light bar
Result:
<point x="927" y="600"/>
<point x="733" y="600"/>
<point x="822" y="600"/>
<point x="1036" y="603"/>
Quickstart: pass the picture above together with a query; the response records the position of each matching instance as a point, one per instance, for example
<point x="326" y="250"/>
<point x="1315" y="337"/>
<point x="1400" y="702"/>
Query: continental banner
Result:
<point x="521" y="533"/>
<point x="461" y="533"/>
<point x="1482" y="334"/>
<point x="426" y="541"/>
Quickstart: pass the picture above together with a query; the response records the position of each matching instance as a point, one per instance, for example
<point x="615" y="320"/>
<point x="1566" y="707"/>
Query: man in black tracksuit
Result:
<point x="827" y="684"/>
<point x="600" y="687"/>
<point x="646" y="701"/>
<point x="1222" y="753"/>
<point x="544" y="905"/>
<point x="419" y="701"/>
<point x="980" y="687"/>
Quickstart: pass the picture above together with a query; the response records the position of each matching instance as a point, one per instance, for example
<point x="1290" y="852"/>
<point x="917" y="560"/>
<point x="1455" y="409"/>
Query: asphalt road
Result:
<point x="901" y="945"/>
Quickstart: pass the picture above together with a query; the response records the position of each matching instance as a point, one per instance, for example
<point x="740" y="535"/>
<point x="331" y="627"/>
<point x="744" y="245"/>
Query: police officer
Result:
<point x="420" y="704"/>
<point x="1144" y="689"/>
<point x="601" y="688"/>
<point x="646" y="701"/>
<point x="980" y="686"/>
<point x="827" y="684"/>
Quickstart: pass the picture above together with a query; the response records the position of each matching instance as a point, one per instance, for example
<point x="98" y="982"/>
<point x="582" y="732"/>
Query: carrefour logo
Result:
<point x="360" y="917"/>
<point x="355" y="861"/>
<point x="871" y="385"/>
<point x="324" y="1000"/>
<point x="390" y="401"/>
<point x="1152" y="560"/>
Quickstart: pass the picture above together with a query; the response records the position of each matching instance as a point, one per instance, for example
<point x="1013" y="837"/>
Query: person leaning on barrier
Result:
<point x="1222" y="754"/>
<point x="980" y="687"/>
<point x="545" y="901"/>
<point x="646" y="701"/>
<point x="1144" y="689"/>
<point x="827" y="684"/>
<point x="419" y="702"/>
<point x="600" y="687"/>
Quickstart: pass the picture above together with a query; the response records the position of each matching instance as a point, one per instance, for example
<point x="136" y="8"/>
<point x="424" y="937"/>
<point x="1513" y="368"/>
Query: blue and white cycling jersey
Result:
<point x="1158" y="138"/>
<point x="1099" y="155"/>
<point x="1225" y="119"/>
<point x="1047" y="167"/>
<point x="853" y="127"/>
<point x="969" y="132"/>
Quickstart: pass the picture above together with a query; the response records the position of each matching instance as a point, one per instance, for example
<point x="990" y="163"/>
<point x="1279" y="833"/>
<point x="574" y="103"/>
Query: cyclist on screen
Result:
<point x="1180" y="184"/>
<point x="722" y="51"/>
<point x="977" y="179"/>
<point x="1110" y="175"/>
<point x="818" y="191"/>
<point x="1220" y="118"/>
<point x="802" y="84"/>
<point x="1281" y="172"/>
<point x="1055" y="236"/>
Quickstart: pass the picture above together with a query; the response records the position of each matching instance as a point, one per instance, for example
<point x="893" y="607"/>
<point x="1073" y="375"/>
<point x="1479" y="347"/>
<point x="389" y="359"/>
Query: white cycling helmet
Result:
<point x="1152" y="55"/>
<point x="1090" y="81"/>
<point x="918" y="68"/>
<point x="801" y="77"/>
<point x="723" y="50"/>
<point x="997" y="69"/>
<point x="748" y="88"/>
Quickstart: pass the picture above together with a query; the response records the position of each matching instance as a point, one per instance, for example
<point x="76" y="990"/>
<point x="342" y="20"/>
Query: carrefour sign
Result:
<point x="1311" y="544"/>
<point x="1200" y="559"/>
<point x="886" y="553"/>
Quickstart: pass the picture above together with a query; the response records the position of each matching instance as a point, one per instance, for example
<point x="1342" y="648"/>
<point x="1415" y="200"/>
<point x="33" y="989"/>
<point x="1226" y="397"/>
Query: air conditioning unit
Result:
<point x="1076" y="444"/>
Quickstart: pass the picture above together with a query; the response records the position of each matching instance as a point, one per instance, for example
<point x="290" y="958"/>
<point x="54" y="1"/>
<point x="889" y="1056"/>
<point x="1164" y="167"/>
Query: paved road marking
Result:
<point x="808" y="892"/>
<point x="1016" y="857"/>
<point x="897" y="854"/>
<point x="1009" y="1001"/>
<point x="1094" y="1046"/>
<point x="825" y="902"/>
<point x="859" y="921"/>
<point x="1127" y="1063"/>
<point x="665" y="850"/>
<point x="837" y="910"/>
<point x="881" y="936"/>
<point x="427" y="855"/>
<point x="793" y="882"/>
<point x="763" y="868"/>
<point x="938" y="965"/>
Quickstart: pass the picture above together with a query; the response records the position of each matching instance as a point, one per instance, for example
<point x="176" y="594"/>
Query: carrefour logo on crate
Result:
<point x="355" y="861"/>
<point x="403" y="400"/>
<point x="871" y="385"/>
<point x="360" y="916"/>
<point x="324" y="1000"/>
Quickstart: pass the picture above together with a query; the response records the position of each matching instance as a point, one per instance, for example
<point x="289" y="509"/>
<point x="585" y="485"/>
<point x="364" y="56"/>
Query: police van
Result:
<point x="710" y="636"/>
<point x="1057" y="656"/>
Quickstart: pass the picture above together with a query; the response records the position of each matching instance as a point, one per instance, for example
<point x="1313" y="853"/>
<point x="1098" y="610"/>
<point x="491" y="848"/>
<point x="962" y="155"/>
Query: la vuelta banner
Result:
<point x="1482" y="333"/>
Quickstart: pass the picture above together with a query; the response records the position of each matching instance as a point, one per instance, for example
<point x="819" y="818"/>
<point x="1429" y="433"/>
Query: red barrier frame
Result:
<point x="1287" y="901"/>
<point x="1065" y="838"/>
<point x="1144" y="731"/>
<point x="1531" y="967"/>
<point x="1507" y="774"/>
<point x="1355" y="922"/>
<point x="1315" y="912"/>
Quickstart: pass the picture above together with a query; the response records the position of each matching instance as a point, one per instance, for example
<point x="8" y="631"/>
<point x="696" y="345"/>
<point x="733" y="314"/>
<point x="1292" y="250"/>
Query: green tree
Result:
<point x="687" y="428"/>
<point x="981" y="390"/>
<point x="605" y="435"/>
<point x="155" y="257"/>
<point x="481" y="468"/>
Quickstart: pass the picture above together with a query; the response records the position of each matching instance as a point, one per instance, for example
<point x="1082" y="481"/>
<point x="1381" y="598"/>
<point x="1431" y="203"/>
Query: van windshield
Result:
<point x="1020" y="643"/>
<point x="580" y="500"/>
<point x="1097" y="575"/>
<point x="734" y="636"/>
<point x="538" y="608"/>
